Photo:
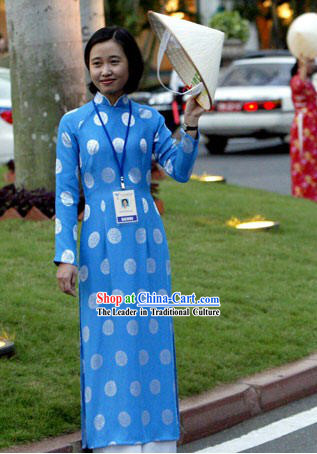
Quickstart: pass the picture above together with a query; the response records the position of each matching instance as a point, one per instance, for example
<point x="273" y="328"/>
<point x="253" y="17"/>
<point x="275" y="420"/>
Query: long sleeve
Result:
<point x="177" y="158"/>
<point x="66" y="194"/>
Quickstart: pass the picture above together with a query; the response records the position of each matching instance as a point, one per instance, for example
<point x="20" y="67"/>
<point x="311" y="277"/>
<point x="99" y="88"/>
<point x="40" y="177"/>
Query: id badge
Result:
<point x="125" y="206"/>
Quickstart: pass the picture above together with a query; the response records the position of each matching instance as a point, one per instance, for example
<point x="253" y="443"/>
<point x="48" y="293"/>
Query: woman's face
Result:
<point x="108" y="67"/>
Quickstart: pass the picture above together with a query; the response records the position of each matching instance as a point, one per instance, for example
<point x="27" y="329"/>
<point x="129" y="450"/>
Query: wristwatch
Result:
<point x="189" y="128"/>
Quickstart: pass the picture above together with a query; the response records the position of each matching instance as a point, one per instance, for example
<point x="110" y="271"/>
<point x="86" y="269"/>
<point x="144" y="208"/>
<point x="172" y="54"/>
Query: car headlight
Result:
<point x="161" y="98"/>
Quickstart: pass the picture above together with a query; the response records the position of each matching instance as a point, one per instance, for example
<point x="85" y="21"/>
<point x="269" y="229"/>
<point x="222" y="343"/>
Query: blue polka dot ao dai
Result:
<point x="128" y="367"/>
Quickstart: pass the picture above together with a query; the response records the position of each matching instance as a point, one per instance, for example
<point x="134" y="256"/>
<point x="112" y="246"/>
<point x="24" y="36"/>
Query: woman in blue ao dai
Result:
<point x="128" y="377"/>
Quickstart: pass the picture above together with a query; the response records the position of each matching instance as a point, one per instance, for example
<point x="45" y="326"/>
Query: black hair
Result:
<point x="294" y="69"/>
<point x="130" y="48"/>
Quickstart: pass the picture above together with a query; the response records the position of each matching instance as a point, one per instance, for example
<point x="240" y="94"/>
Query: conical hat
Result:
<point x="302" y="36"/>
<point x="194" y="51"/>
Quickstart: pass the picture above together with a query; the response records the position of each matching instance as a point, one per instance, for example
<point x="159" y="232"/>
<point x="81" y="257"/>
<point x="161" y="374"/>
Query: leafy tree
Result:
<point x="130" y="14"/>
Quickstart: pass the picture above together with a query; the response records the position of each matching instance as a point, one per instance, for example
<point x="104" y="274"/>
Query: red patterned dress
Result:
<point x="303" y="145"/>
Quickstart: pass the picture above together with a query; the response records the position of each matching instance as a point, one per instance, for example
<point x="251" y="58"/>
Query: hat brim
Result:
<point x="159" y="32"/>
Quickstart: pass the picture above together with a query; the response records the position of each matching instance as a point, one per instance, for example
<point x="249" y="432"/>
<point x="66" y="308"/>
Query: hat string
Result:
<point x="163" y="46"/>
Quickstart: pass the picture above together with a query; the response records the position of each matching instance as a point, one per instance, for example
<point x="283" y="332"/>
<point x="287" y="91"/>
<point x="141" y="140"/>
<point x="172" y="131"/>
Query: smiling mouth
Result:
<point x="107" y="82"/>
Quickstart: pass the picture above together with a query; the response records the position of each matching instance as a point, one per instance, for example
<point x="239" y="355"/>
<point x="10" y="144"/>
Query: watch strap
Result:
<point x="190" y="128"/>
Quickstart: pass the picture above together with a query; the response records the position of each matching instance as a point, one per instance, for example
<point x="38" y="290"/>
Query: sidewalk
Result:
<point x="220" y="408"/>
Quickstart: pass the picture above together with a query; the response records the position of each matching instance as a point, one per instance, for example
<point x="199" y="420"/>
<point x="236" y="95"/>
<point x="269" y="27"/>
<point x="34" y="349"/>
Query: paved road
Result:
<point x="250" y="163"/>
<point x="292" y="428"/>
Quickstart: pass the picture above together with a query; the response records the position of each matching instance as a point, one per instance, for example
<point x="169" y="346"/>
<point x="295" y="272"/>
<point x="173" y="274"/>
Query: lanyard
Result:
<point x="125" y="142"/>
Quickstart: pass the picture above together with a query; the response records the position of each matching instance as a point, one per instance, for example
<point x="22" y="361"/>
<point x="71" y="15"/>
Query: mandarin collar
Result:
<point x="102" y="99"/>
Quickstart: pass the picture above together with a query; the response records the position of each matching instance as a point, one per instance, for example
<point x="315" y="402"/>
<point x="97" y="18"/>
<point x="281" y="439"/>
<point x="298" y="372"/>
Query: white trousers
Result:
<point x="154" y="446"/>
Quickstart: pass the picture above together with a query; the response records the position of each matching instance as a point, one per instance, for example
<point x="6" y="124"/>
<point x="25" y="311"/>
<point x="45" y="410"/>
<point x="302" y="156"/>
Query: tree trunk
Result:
<point x="47" y="80"/>
<point x="92" y="14"/>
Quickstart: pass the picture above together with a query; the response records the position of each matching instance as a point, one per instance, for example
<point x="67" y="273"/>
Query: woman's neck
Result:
<point x="113" y="97"/>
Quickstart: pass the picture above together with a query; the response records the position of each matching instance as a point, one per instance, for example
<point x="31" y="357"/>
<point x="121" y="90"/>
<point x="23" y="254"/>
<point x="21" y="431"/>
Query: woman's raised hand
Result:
<point x="66" y="277"/>
<point x="192" y="112"/>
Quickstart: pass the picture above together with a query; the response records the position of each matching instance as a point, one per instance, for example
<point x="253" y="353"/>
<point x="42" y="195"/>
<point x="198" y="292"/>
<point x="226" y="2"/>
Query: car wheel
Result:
<point x="216" y="144"/>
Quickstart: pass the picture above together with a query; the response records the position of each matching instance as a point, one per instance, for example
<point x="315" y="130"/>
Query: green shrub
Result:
<point x="232" y="24"/>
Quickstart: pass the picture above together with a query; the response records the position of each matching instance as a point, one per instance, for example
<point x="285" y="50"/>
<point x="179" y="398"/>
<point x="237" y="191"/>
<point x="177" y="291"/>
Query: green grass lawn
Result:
<point x="266" y="283"/>
<point x="3" y="170"/>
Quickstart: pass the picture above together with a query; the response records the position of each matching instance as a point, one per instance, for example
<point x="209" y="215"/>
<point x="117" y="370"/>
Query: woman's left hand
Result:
<point x="192" y="112"/>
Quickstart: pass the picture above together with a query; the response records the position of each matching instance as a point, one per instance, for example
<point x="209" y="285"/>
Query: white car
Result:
<point x="6" y="128"/>
<point x="253" y="98"/>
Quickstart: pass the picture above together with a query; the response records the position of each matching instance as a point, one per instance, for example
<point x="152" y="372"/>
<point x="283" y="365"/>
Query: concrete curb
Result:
<point x="220" y="408"/>
<point x="227" y="405"/>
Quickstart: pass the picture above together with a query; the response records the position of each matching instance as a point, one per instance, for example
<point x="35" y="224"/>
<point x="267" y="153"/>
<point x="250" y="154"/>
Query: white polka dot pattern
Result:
<point x="127" y="362"/>
<point x="108" y="327"/>
<point x="134" y="175"/>
<point x="58" y="226"/>
<point x="143" y="357"/>
<point x="108" y="175"/>
<point x="157" y="236"/>
<point x="92" y="304"/>
<point x="93" y="239"/>
<point x="153" y="326"/>
<point x="118" y="144"/>
<point x="132" y="327"/>
<point x="67" y="142"/>
<point x="99" y="421"/>
<point x="145" y="113"/>
<point x="130" y="266"/>
<point x="135" y="388"/>
<point x="92" y="146"/>
<point x="150" y="265"/>
<point x="68" y="256"/>
<point x="67" y="198"/>
<point x="168" y="167"/>
<point x="105" y="266"/>
<point x="86" y="333"/>
<point x="165" y="356"/>
<point x="124" y="419"/>
<point x="148" y="177"/>
<point x="125" y="119"/>
<point x="121" y="358"/>
<point x="167" y="416"/>
<point x="104" y="118"/>
<point x="145" y="417"/>
<point x="188" y="146"/>
<point x="155" y="386"/>
<point x="156" y="209"/>
<point x="89" y="180"/>
<point x="110" y="388"/>
<point x="143" y="145"/>
<point x="114" y="235"/>
<point x="58" y="166"/>
<point x="98" y="98"/>
<point x="83" y="273"/>
<point x="140" y="235"/>
<point x="96" y="361"/>
<point x="145" y="205"/>
<point x="88" y="394"/>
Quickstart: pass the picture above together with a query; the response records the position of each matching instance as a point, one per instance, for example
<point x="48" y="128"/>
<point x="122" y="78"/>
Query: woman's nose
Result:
<point x="106" y="70"/>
